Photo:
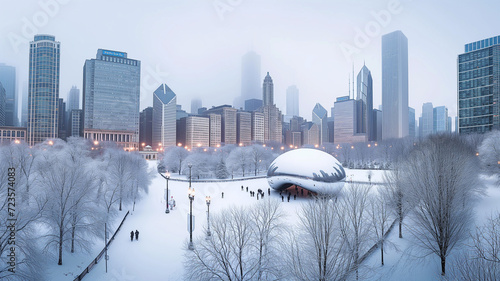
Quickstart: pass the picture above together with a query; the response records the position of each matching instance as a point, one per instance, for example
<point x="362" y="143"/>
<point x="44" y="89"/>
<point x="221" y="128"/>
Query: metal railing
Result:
<point x="99" y="256"/>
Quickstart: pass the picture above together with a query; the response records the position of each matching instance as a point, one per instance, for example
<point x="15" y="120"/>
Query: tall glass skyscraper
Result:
<point x="250" y="78"/>
<point x="364" y="112"/>
<point x="394" y="85"/>
<point x="111" y="94"/>
<point x="73" y="99"/>
<point x="427" y="121"/>
<point x="43" y="91"/>
<point x="411" y="125"/>
<point x="479" y="86"/>
<point x="292" y="101"/>
<point x="440" y="122"/>
<point x="164" y="117"/>
<point x="320" y="117"/>
<point x="8" y="80"/>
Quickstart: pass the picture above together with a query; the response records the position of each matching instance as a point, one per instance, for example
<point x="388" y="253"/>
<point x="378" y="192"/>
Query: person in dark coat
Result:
<point x="282" y="198"/>
<point x="268" y="191"/>
<point x="136" y="234"/>
<point x="132" y="235"/>
<point x="223" y="195"/>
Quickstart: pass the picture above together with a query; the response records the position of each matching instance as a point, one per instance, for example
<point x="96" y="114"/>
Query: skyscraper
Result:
<point x="62" y="120"/>
<point x="479" y="86"/>
<point x="2" y="105"/>
<point x="394" y="85"/>
<point x="111" y="94"/>
<point x="268" y="91"/>
<point x="345" y="121"/>
<point x="427" y="122"/>
<point x="228" y="122"/>
<point x="272" y="115"/>
<point x="43" y="92"/>
<point x="440" y="119"/>
<point x="320" y="118"/>
<point x="195" y="105"/>
<point x="250" y="78"/>
<point x="411" y="120"/>
<point x="146" y="127"/>
<point x="244" y="128"/>
<point x="8" y="80"/>
<point x="364" y="111"/>
<point x="164" y="117"/>
<point x="73" y="99"/>
<point x="292" y="101"/>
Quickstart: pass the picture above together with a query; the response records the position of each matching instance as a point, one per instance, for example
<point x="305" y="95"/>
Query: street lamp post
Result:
<point x="191" y="198"/>
<point x="208" y="216"/>
<point x="167" y="176"/>
<point x="190" y="166"/>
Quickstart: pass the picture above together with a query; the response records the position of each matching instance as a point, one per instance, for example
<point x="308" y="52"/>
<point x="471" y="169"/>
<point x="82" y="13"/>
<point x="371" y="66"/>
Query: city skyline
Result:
<point x="312" y="56"/>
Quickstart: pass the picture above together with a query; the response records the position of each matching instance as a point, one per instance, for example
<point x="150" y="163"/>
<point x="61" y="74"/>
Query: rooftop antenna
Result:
<point x="353" y="80"/>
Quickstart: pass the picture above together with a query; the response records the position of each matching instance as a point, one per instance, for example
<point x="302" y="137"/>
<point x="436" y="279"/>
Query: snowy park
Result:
<point x="375" y="227"/>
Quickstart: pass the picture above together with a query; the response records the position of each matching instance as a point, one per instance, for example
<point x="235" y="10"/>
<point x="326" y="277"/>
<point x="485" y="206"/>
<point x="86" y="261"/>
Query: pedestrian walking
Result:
<point x="294" y="196"/>
<point x="288" y="198"/>
<point x="282" y="198"/>
<point x="247" y="188"/>
<point x="269" y="191"/>
<point x="222" y="195"/>
<point x="132" y="235"/>
<point x="242" y="188"/>
<point x="136" y="234"/>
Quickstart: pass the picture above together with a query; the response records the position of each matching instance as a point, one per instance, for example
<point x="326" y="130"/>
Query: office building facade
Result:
<point x="75" y="123"/>
<point x="43" y="89"/>
<point x="479" y="86"/>
<point x="8" y="80"/>
<point x="345" y="121"/>
<point x="427" y="123"/>
<point x="258" y="127"/>
<point x="164" y="117"/>
<point x="411" y="124"/>
<point x="244" y="128"/>
<point x="146" y="128"/>
<point x="228" y="122"/>
<point x="395" y="85"/>
<point x="440" y="119"/>
<point x="111" y="94"/>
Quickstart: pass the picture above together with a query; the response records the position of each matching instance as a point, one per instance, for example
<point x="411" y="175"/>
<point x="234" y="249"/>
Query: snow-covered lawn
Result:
<point x="158" y="254"/>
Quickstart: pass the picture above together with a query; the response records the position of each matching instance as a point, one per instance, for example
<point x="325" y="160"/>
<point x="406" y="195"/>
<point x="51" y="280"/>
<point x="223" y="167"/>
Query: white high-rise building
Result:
<point x="164" y="117"/>
<point x="395" y="85"/>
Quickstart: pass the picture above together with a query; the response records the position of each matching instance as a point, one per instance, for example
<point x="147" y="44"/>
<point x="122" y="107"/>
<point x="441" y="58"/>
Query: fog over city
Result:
<point x="196" y="47"/>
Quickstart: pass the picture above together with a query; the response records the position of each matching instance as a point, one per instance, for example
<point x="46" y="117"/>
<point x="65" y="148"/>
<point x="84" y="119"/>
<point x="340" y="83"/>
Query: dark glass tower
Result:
<point x="43" y="92"/>
<point x="479" y="86"/>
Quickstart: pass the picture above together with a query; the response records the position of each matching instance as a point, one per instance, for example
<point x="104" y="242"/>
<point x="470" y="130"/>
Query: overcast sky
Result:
<point x="196" y="46"/>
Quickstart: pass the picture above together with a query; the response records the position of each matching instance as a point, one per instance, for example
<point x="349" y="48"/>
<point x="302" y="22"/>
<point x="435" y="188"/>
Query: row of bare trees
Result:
<point x="65" y="193"/>
<point x="221" y="163"/>
<point x="328" y="242"/>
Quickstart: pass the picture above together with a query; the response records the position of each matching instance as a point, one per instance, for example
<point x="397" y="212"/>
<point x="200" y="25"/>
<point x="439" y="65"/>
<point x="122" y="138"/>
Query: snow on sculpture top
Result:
<point x="311" y="169"/>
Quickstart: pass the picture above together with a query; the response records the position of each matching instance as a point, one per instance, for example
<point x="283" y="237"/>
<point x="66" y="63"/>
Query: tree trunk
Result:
<point x="443" y="265"/>
<point x="73" y="238"/>
<point x="400" y="226"/>
<point x="382" y="251"/>
<point x="59" y="262"/>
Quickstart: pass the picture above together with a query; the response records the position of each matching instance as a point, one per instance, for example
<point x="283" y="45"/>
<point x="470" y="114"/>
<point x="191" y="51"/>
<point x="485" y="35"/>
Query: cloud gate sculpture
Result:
<point x="311" y="169"/>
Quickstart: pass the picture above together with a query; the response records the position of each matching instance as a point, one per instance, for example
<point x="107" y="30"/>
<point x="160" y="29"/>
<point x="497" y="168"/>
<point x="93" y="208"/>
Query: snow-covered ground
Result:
<point x="158" y="254"/>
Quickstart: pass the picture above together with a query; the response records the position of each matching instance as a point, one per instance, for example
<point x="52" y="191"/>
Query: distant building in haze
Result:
<point x="2" y="105"/>
<point x="62" y="120"/>
<point x="43" y="98"/>
<point x="440" y="119"/>
<point x="395" y="85"/>
<point x="427" y="123"/>
<point x="292" y="101"/>
<point x="272" y="115"/>
<point x="8" y="80"/>
<point x="195" y="105"/>
<point x="73" y="101"/>
<point x="479" y="86"/>
<point x="250" y="79"/>
<point x="111" y="95"/>
<point x="75" y="123"/>
<point x="411" y="120"/>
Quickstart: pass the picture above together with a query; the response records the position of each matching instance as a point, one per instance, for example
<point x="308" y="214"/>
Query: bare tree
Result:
<point x="380" y="213"/>
<point x="318" y="251"/>
<point x="242" y="246"/>
<point x="481" y="260"/>
<point x="239" y="158"/>
<point x="174" y="157"/>
<point x="354" y="221"/>
<point x="489" y="154"/>
<point x="64" y="183"/>
<point x="441" y="174"/>
<point x="397" y="195"/>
